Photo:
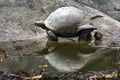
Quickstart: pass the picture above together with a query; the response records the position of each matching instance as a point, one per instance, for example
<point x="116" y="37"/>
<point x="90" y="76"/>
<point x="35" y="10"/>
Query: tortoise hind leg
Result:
<point x="85" y="35"/>
<point x="98" y="36"/>
<point x="52" y="36"/>
<point x="89" y="37"/>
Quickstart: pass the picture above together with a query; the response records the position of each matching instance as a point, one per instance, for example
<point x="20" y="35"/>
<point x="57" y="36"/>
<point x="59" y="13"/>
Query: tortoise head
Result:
<point x="40" y="24"/>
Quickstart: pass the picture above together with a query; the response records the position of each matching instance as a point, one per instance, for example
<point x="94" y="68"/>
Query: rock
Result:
<point x="110" y="7"/>
<point x="17" y="18"/>
<point x="115" y="44"/>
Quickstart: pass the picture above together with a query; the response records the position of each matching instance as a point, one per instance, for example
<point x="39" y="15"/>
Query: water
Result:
<point x="60" y="57"/>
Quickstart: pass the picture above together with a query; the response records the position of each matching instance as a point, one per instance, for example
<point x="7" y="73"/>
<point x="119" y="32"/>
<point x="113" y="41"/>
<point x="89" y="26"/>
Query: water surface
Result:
<point x="60" y="57"/>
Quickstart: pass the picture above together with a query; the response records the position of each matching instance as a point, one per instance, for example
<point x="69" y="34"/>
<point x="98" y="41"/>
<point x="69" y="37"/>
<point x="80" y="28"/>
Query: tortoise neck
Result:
<point x="41" y="24"/>
<point x="44" y="27"/>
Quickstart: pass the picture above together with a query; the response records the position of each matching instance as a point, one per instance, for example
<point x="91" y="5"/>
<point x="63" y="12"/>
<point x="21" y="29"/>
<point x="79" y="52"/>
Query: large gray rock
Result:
<point x="17" y="18"/>
<point x="110" y="7"/>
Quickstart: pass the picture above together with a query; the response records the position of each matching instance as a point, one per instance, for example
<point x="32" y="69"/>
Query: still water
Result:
<point x="60" y="57"/>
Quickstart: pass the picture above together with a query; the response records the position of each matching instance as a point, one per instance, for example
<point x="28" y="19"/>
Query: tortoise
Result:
<point x="67" y="22"/>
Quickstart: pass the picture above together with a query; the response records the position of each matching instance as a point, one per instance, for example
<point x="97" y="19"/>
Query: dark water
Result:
<point x="60" y="57"/>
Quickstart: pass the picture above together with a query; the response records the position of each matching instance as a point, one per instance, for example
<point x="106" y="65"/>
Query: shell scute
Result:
<point x="64" y="20"/>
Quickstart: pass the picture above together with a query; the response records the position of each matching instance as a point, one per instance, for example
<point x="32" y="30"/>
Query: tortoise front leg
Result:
<point x="52" y="36"/>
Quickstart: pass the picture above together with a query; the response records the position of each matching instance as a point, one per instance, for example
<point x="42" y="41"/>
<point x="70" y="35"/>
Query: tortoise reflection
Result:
<point x="67" y="57"/>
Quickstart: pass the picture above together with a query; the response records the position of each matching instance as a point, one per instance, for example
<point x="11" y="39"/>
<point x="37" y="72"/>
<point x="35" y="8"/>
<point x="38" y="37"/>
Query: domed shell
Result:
<point x="64" y="20"/>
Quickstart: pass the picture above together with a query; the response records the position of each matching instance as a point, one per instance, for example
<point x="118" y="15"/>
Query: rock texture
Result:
<point x="17" y="18"/>
<point x="110" y="7"/>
